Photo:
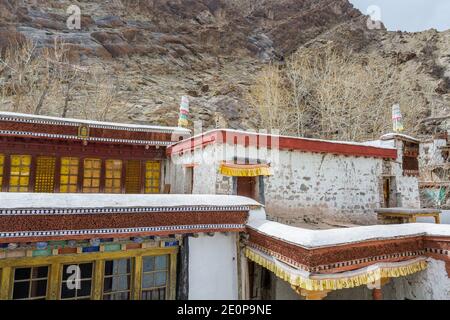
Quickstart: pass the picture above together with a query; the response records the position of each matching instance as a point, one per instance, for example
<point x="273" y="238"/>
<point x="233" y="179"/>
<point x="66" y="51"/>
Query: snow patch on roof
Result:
<point x="388" y="144"/>
<point x="46" y="200"/>
<point x="393" y="135"/>
<point x="332" y="237"/>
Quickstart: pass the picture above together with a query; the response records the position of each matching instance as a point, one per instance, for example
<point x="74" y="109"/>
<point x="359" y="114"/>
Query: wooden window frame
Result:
<point x="69" y="175"/>
<point x="91" y="179"/>
<point x="30" y="280"/>
<point x="81" y="279"/>
<point x="98" y="258"/>
<point x="166" y="271"/>
<point x="147" y="179"/>
<point x="20" y="175"/>
<point x="113" y="170"/>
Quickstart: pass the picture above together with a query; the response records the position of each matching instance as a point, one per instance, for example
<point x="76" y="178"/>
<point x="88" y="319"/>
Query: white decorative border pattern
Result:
<point x="95" y="139"/>
<point x="77" y="211"/>
<point x="55" y="233"/>
<point x="91" y="125"/>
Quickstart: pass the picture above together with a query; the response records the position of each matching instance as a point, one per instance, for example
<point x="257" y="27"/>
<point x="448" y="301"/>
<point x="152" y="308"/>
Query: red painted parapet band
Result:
<point x="280" y="142"/>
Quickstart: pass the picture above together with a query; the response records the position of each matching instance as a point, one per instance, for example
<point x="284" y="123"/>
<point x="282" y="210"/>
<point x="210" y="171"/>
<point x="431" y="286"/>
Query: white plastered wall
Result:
<point x="213" y="267"/>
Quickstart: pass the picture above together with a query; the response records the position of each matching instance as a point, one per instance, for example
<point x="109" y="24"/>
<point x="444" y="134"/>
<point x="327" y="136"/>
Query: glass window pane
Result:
<point x="160" y="279"/>
<point x="161" y="262"/>
<point x="107" y="285"/>
<point x="40" y="272"/>
<point x="22" y="273"/>
<point x="38" y="288"/>
<point x="67" y="293"/>
<point x="85" y="289"/>
<point x="148" y="281"/>
<point x="21" y="290"/>
<point x="148" y="264"/>
<point x="86" y="270"/>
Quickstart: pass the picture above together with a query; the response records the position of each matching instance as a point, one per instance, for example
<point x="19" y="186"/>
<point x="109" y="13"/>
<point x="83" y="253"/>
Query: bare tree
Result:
<point x="330" y="93"/>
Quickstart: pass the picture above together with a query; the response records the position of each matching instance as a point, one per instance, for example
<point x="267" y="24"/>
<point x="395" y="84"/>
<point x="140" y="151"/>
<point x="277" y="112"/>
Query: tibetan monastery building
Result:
<point x="300" y="179"/>
<point x="96" y="210"/>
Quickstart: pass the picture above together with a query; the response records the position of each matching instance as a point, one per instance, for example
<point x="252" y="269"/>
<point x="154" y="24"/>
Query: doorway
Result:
<point x="246" y="187"/>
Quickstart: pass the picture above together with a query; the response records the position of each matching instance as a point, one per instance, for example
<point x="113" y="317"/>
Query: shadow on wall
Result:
<point x="318" y="215"/>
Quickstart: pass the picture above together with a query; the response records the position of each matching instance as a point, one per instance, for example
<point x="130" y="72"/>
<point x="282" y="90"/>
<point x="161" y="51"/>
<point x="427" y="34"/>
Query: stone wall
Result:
<point x="430" y="284"/>
<point x="306" y="187"/>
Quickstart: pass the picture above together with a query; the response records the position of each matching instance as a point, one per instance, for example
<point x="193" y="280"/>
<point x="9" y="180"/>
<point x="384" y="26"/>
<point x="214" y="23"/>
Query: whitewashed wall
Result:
<point x="305" y="187"/>
<point x="327" y="186"/>
<point x="205" y="172"/>
<point x="213" y="267"/>
<point x="407" y="187"/>
<point x="430" y="152"/>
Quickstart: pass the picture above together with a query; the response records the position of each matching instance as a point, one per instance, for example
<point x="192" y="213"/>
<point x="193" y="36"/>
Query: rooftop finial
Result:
<point x="397" y="119"/>
<point x="184" y="112"/>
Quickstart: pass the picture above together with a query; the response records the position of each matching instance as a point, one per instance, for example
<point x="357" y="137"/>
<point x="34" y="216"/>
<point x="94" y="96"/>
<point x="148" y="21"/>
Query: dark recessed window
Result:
<point x="76" y="283"/>
<point x="30" y="283"/>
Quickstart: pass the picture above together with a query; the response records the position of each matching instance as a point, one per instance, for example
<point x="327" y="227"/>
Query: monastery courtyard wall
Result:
<point x="323" y="186"/>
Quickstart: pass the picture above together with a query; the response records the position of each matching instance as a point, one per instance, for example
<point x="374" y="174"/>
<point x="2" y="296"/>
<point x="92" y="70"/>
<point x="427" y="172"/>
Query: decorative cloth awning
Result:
<point x="244" y="170"/>
<point x="325" y="282"/>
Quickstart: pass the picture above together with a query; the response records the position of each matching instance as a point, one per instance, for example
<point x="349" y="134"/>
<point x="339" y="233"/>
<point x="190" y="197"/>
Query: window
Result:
<point x="152" y="176"/>
<point x="81" y="290"/>
<point x="113" y="176"/>
<point x="117" y="280"/>
<point x="30" y="283"/>
<point x="91" y="180"/>
<point x="410" y="159"/>
<point x="2" y="164"/>
<point x="133" y="177"/>
<point x="69" y="175"/>
<point x="154" y="277"/>
<point x="20" y="173"/>
<point x="45" y="174"/>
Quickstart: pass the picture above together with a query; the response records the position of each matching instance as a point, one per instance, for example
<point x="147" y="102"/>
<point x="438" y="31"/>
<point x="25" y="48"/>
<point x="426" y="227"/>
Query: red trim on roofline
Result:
<point x="280" y="142"/>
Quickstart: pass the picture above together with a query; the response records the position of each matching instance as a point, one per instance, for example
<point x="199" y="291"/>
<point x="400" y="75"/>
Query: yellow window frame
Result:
<point x="113" y="176"/>
<point x="92" y="175"/>
<point x="20" y="173"/>
<point x="152" y="176"/>
<point x="98" y="258"/>
<point x="69" y="175"/>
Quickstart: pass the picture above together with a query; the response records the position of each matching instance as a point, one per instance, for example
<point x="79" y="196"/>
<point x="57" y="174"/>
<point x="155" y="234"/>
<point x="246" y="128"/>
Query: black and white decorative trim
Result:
<point x="342" y="264"/>
<point x="87" y="232"/>
<point x="77" y="211"/>
<point x="150" y="129"/>
<point x="438" y="251"/>
<point x="94" y="139"/>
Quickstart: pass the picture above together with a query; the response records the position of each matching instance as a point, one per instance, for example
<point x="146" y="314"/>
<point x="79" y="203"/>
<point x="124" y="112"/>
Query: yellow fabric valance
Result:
<point x="322" y="282"/>
<point x="244" y="170"/>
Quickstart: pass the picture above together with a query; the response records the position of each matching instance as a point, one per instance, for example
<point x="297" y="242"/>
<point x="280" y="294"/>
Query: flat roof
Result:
<point x="333" y="237"/>
<point x="282" y="142"/>
<point x="25" y="201"/>
<point x="9" y="116"/>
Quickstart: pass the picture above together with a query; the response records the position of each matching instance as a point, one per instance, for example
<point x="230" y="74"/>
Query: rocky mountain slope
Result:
<point x="211" y="50"/>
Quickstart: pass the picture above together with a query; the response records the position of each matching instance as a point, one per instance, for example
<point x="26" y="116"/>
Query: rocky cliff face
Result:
<point x="210" y="50"/>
